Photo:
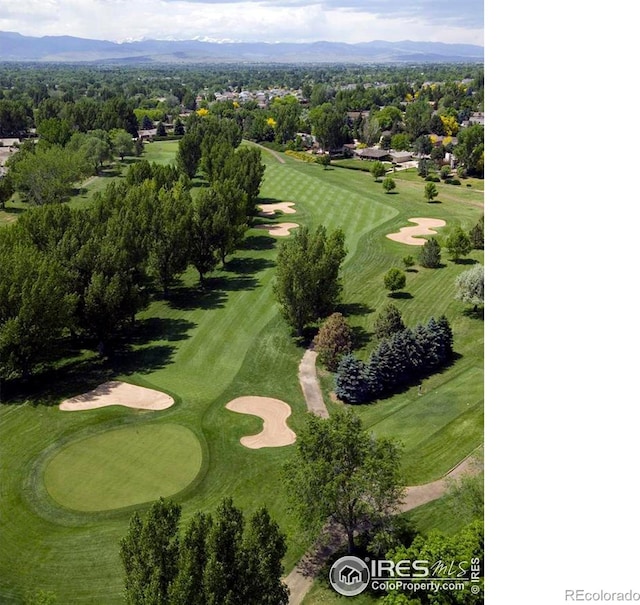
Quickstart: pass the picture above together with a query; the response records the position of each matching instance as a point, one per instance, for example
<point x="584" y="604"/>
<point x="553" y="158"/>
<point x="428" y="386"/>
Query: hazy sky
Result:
<point x="458" y="21"/>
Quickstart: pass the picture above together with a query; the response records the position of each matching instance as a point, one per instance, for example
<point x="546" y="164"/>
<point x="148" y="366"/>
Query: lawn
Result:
<point x="207" y="347"/>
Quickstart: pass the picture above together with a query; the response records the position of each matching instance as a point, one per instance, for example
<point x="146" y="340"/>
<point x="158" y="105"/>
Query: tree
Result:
<point x="476" y="235"/>
<point x="161" y="131"/>
<point x="169" y="237"/>
<point x="352" y="380"/>
<point x="188" y="156"/>
<point x="328" y="125"/>
<point x="6" y="190"/>
<point x="344" y="474"/>
<point x="203" y="242"/>
<point x="36" y="306"/>
<point x="334" y="339"/>
<point x="458" y="244"/>
<point x="178" y="127"/>
<point x="429" y="255"/>
<point x="146" y="123"/>
<point x="394" y="279"/>
<point x="122" y="143"/>
<point x="430" y="191"/>
<point x="388" y="321"/>
<point x="149" y="553"/>
<point x="46" y="175"/>
<point x="470" y="286"/>
<point x="378" y="170"/>
<point x="401" y="141"/>
<point x="307" y="282"/>
<point x="388" y="184"/>
<point x="470" y="149"/>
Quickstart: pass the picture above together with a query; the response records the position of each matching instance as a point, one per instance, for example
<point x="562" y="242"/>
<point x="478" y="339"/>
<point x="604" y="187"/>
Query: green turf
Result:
<point x="124" y="466"/>
<point x="207" y="347"/>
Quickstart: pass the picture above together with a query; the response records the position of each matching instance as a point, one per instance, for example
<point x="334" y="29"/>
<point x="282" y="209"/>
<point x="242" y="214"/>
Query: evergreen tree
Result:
<point x="429" y="255"/>
<point x="352" y="380"/>
<point x="388" y="321"/>
<point x="476" y="235"/>
<point x="161" y="131"/>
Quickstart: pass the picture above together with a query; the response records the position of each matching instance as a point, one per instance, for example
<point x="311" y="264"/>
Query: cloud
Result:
<point x="248" y="21"/>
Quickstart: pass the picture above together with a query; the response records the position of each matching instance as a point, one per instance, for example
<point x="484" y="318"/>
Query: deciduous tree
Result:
<point x="342" y="473"/>
<point x="470" y="286"/>
<point x="333" y="341"/>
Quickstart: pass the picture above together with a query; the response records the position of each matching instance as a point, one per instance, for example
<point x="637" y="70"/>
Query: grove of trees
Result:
<point x="398" y="359"/>
<point x="218" y="560"/>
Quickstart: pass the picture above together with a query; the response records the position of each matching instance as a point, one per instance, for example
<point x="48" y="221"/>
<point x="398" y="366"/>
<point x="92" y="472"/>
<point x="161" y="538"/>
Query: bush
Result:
<point x="298" y="155"/>
<point x="455" y="182"/>
<point x="432" y="179"/>
<point x="408" y="261"/>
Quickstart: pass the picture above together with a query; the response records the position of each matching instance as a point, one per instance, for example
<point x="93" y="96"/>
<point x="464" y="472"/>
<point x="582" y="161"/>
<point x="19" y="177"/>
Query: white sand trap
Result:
<point x="424" y="226"/>
<point x="278" y="229"/>
<point x="274" y="413"/>
<point x="118" y="393"/>
<point x="271" y="209"/>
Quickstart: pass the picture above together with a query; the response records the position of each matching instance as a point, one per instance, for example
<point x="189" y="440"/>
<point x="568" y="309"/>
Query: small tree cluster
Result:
<point x="333" y="341"/>
<point x="398" y="359"/>
<point x="458" y="244"/>
<point x="217" y="560"/>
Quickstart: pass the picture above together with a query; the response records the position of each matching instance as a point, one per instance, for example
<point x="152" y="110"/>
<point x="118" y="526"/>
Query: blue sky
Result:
<point x="453" y="21"/>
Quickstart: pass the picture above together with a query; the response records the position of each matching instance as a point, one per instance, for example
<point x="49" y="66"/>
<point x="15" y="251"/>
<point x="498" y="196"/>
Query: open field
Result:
<point x="208" y="347"/>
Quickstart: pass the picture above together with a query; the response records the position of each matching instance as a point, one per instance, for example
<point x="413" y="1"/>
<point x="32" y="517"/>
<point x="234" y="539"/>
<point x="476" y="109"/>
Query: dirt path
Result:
<point x="301" y="578"/>
<point x="310" y="386"/>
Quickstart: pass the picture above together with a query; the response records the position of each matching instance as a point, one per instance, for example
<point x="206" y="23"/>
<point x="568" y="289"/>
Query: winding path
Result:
<point x="301" y="578"/>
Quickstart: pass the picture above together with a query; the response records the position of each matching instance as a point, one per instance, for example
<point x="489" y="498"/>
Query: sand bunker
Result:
<point x="274" y="413"/>
<point x="278" y="229"/>
<point x="407" y="235"/>
<point x="118" y="393"/>
<point x="271" y="209"/>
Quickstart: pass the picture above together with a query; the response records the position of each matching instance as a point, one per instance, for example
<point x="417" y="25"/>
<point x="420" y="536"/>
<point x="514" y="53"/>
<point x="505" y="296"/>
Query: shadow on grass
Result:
<point x="361" y="338"/>
<point x="357" y="308"/>
<point x="248" y="265"/>
<point x="401" y="295"/>
<point x="83" y="370"/>
<point x="259" y="242"/>
<point x="474" y="313"/>
<point x="465" y="261"/>
<point x="207" y="296"/>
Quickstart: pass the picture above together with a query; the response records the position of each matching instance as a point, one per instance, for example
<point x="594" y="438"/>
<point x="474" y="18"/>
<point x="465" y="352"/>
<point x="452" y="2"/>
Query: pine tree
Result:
<point x="352" y="380"/>
<point x="388" y="321"/>
<point x="429" y="255"/>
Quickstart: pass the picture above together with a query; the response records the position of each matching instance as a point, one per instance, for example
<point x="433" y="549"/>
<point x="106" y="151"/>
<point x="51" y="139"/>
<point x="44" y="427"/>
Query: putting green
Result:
<point x="124" y="466"/>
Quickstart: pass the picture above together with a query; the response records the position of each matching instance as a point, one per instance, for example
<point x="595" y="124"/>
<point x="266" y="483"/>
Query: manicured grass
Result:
<point x="161" y="152"/>
<point x="122" y="467"/>
<point x="207" y="347"/>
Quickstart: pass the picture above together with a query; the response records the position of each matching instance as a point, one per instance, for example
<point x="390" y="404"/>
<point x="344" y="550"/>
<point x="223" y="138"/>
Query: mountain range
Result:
<point x="67" y="49"/>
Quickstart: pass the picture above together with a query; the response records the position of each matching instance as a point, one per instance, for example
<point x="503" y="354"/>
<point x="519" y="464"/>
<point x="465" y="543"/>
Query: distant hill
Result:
<point x="16" y="47"/>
